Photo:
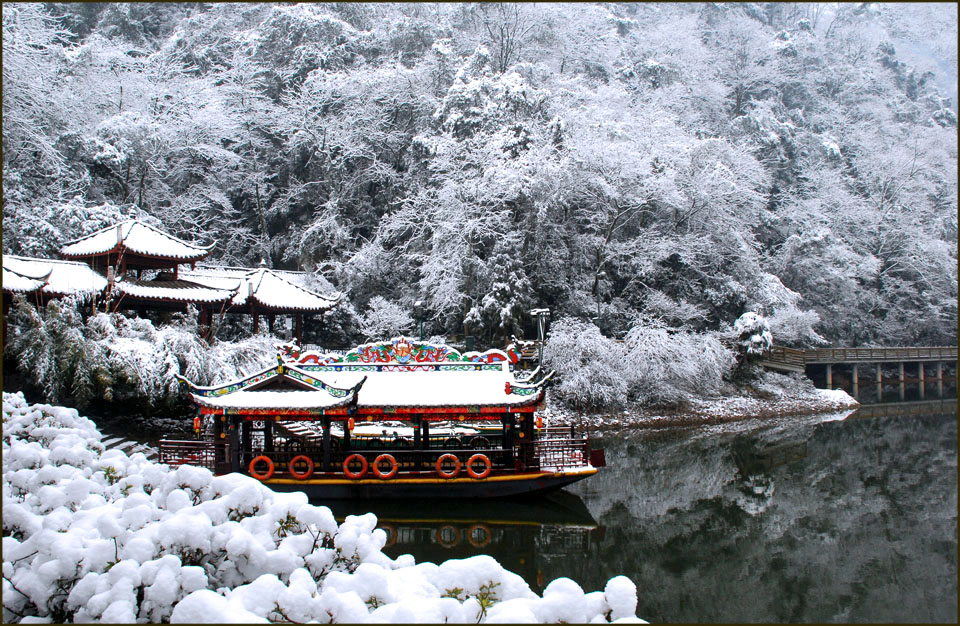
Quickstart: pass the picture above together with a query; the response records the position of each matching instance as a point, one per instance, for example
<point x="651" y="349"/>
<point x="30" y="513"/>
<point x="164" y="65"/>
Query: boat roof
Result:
<point x="392" y="378"/>
<point x="139" y="238"/>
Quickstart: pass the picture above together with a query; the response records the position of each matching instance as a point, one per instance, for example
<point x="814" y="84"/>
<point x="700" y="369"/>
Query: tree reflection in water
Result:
<point x="802" y="519"/>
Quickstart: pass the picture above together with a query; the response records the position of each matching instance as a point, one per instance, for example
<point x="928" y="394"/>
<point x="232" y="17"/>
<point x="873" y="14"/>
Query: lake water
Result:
<point x="802" y="519"/>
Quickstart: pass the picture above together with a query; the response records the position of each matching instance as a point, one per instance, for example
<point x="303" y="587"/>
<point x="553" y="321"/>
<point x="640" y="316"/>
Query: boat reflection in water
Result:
<point x="532" y="537"/>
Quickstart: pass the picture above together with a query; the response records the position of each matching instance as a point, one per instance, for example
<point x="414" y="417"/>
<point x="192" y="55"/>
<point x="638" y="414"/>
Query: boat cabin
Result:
<point x="394" y="418"/>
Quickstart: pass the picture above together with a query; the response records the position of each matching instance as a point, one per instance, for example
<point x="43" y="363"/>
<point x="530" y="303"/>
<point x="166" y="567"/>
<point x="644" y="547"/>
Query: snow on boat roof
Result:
<point x="181" y="290"/>
<point x="397" y="373"/>
<point x="138" y="237"/>
<point x="63" y="277"/>
<point x="281" y="399"/>
<point x="428" y="388"/>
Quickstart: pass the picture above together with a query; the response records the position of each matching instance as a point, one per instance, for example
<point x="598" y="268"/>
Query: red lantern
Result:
<point x="507" y="389"/>
<point x="350" y="424"/>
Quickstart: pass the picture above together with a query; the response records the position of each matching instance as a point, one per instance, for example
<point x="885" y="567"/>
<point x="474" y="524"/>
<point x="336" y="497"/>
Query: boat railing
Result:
<point x="409" y="460"/>
<point x="560" y="453"/>
<point x="207" y="453"/>
<point x="557" y="432"/>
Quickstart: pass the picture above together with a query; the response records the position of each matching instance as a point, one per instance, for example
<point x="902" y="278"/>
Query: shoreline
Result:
<point x="774" y="396"/>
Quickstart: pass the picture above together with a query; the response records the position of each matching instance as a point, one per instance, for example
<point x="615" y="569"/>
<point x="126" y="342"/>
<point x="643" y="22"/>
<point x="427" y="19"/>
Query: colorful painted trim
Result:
<point x="402" y="350"/>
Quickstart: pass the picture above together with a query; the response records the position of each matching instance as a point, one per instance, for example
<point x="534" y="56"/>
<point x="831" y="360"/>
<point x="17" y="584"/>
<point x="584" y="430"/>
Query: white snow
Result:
<point x="181" y="290"/>
<point x="269" y="399"/>
<point x="136" y="237"/>
<point x="65" y="277"/>
<point x="18" y="284"/>
<point x="427" y="388"/>
<point x="271" y="288"/>
<point x="94" y="536"/>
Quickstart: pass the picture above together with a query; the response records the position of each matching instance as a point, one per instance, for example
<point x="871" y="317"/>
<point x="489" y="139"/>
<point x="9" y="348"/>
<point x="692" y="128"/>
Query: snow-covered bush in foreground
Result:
<point x="90" y="535"/>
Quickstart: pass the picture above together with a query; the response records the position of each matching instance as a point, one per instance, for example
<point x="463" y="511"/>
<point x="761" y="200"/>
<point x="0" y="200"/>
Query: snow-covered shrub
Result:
<point x="669" y="365"/>
<point x="115" y="357"/>
<point x="101" y="536"/>
<point x="590" y="367"/>
<point x="753" y="334"/>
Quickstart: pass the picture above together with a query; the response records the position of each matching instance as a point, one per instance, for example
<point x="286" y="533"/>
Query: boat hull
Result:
<point x="338" y="487"/>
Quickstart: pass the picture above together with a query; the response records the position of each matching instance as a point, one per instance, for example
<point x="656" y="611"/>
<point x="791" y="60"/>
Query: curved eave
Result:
<point x="122" y="249"/>
<point x="262" y="307"/>
<point x="175" y="291"/>
<point x="280" y="401"/>
<point x="15" y="282"/>
<point x="308" y="382"/>
<point x="114" y="240"/>
<point x="193" y="388"/>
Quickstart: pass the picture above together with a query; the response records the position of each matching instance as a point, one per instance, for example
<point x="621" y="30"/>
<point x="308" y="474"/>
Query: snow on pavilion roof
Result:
<point x="135" y="236"/>
<point x="63" y="278"/>
<point x="270" y="289"/>
<point x="179" y="290"/>
<point x="18" y="283"/>
<point x="397" y="374"/>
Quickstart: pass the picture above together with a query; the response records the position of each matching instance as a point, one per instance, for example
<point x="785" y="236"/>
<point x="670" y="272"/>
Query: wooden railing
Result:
<point x="874" y="355"/>
<point x="789" y="358"/>
<point x="212" y="455"/>
<point x="779" y="357"/>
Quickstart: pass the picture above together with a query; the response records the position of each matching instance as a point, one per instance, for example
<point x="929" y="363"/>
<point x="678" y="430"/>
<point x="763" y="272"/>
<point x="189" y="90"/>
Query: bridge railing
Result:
<point x="861" y="355"/>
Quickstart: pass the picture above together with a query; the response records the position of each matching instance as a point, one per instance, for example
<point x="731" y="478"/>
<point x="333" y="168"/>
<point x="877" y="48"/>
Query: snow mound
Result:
<point x="100" y="536"/>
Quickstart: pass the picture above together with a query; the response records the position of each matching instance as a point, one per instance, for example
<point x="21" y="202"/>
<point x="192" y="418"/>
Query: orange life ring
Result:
<point x="452" y="542"/>
<point x="483" y="459"/>
<point x="486" y="539"/>
<point x="393" y="466"/>
<point x="346" y="466"/>
<point x="270" y="467"/>
<point x="300" y="475"/>
<point x="391" y="533"/>
<point x="439" y="466"/>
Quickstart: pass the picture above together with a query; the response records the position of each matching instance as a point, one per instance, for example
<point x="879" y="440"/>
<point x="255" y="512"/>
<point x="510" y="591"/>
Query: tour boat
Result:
<point x="397" y="418"/>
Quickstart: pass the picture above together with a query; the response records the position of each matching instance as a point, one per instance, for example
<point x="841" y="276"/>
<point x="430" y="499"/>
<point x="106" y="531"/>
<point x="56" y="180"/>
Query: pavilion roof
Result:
<point x="172" y="290"/>
<point x="60" y="278"/>
<point x="136" y="237"/>
<point x="14" y="282"/>
<point x="264" y="289"/>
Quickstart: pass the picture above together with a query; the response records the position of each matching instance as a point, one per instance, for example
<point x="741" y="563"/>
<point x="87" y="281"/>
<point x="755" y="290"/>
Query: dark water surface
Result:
<point x="802" y="519"/>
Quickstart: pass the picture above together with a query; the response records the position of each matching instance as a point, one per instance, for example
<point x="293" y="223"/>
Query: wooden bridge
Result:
<point x="790" y="359"/>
